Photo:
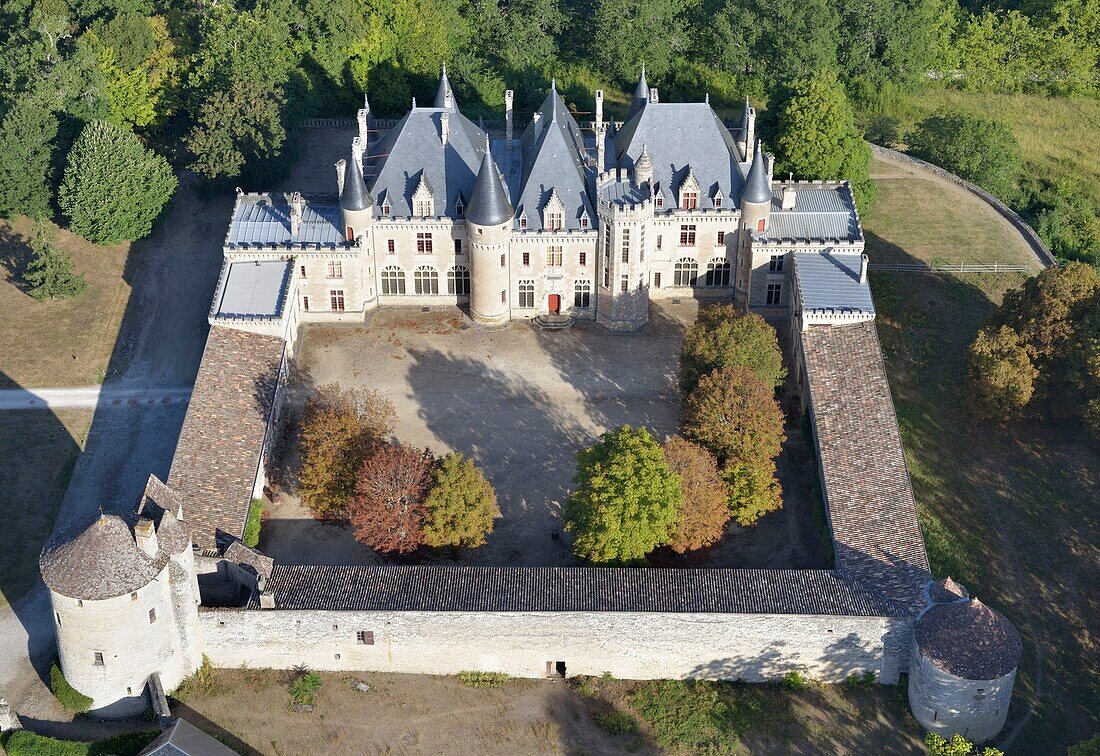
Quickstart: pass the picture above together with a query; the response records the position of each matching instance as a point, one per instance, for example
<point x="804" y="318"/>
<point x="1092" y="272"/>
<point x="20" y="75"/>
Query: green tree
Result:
<point x="461" y="504"/>
<point x="632" y="33"/>
<point x="817" y="137"/>
<point x="625" y="502"/>
<point x="753" y="490"/>
<point x="49" y="273"/>
<point x="957" y="746"/>
<point x="114" y="188"/>
<point x="1000" y="378"/>
<point x="26" y="136"/>
<point x="703" y="514"/>
<point x="724" y="336"/>
<point x="1045" y="311"/>
<point x="238" y="128"/>
<point x="982" y="150"/>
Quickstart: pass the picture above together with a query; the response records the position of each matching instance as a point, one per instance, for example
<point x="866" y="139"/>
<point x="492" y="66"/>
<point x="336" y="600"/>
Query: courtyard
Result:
<point x="521" y="402"/>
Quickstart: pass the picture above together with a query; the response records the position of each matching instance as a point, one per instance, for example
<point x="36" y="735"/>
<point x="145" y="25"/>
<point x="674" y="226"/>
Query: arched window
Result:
<point x="458" y="281"/>
<point x="426" y="280"/>
<point x="718" y="272"/>
<point x="685" y="273"/>
<point x="393" y="281"/>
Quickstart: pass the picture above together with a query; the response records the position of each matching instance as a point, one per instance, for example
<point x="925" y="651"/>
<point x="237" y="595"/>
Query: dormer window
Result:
<point x="523" y="220"/>
<point x="553" y="214"/>
<point x="689" y="200"/>
<point x="423" y="202"/>
<point x="584" y="221"/>
<point x="423" y="208"/>
<point x="386" y="207"/>
<point x="460" y="209"/>
<point x="718" y="199"/>
<point x="660" y="201"/>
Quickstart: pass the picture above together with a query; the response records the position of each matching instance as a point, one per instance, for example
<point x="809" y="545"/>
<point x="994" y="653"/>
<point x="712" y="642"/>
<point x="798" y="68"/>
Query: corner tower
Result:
<point x="356" y="203"/>
<point x="756" y="204"/>
<point x="489" y="229"/>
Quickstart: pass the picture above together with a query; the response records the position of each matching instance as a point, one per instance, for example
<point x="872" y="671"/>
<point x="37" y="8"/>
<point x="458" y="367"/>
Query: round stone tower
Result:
<point x="125" y="599"/>
<point x="356" y="203"/>
<point x="489" y="231"/>
<point x="964" y="664"/>
<point x="756" y="206"/>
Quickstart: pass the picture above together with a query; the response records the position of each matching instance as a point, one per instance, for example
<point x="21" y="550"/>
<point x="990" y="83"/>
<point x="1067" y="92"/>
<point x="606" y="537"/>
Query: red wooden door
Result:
<point x="555" y="303"/>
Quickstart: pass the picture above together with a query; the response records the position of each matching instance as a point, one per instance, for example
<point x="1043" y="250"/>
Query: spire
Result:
<point x="758" y="185"/>
<point x="641" y="96"/>
<point x="444" y="96"/>
<point x="355" y="195"/>
<point x="745" y="118"/>
<point x="489" y="205"/>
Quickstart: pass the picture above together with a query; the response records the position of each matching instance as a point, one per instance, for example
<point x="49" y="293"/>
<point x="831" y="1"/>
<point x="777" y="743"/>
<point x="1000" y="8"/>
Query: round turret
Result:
<point x="756" y="194"/>
<point x="356" y="203"/>
<point x="489" y="227"/>
<point x="124" y="593"/>
<point x="964" y="664"/>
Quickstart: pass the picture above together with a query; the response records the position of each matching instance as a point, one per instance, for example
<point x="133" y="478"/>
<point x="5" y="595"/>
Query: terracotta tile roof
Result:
<point x="867" y="490"/>
<point x="219" y="448"/>
<point x="967" y="639"/>
<point x="562" y="589"/>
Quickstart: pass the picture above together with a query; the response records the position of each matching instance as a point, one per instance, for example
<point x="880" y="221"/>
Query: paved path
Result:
<point x="89" y="397"/>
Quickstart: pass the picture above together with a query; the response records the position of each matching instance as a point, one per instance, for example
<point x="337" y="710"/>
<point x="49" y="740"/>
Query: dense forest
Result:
<point x="218" y="87"/>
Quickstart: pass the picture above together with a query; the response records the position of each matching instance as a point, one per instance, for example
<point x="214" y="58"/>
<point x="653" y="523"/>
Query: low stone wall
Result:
<point x="1042" y="253"/>
<point x="750" y="647"/>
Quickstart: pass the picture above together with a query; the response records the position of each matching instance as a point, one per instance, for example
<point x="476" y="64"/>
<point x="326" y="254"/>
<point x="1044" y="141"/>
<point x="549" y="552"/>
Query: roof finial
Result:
<point x="444" y="68"/>
<point x="414" y="103"/>
<point x="706" y="98"/>
<point x="643" y="69"/>
<point x="553" y="84"/>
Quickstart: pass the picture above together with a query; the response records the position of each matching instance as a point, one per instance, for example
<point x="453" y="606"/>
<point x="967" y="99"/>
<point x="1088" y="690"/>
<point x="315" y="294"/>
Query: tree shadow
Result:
<point x="15" y="255"/>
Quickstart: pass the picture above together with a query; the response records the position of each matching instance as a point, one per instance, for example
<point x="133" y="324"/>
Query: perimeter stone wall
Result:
<point x="751" y="647"/>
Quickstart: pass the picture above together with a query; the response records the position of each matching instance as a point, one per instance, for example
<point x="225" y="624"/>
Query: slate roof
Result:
<point x="218" y="452"/>
<point x="758" y="185"/>
<point x="252" y="289"/>
<point x="559" y="589"/>
<point x="184" y="739"/>
<point x="828" y="281"/>
<point x="822" y="212"/>
<point x="679" y="136"/>
<point x="553" y="159"/>
<point x="967" y="639"/>
<point x="264" y="220"/>
<point x="442" y="90"/>
<point x="641" y="96"/>
<point x="870" y="501"/>
<point x="489" y="204"/>
<point x="95" y="558"/>
<point x="413" y="150"/>
<point x="355" y="195"/>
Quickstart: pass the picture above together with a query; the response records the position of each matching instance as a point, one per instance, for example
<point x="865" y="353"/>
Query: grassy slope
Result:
<point x="1057" y="136"/>
<point x="1010" y="512"/>
<point x="66" y="342"/>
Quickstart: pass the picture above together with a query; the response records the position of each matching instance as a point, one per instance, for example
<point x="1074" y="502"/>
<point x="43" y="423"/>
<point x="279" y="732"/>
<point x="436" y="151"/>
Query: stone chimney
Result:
<point x="653" y="96"/>
<point x="599" y="130"/>
<point x="267" y="600"/>
<point x="145" y="534"/>
<point x="361" y="119"/>
<point x="790" y="196"/>
<point x="863" y="269"/>
<point x="297" y="207"/>
<point x="444" y="127"/>
<point x="509" y="96"/>
<point x="341" y="166"/>
<point x="8" y="718"/>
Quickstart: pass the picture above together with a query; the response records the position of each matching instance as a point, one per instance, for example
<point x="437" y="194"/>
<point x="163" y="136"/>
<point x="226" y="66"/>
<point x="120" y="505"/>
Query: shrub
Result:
<point x="473" y="679"/>
<point x="982" y="150"/>
<point x="860" y="682"/>
<point x="723" y="336"/>
<point x="27" y="743"/>
<point x="460" y="504"/>
<point x="303" y="688"/>
<point x="114" y="188"/>
<point x="1000" y="377"/>
<point x="693" y="716"/>
<point x="625" y="502"/>
<point x="67" y="695"/>
<point x="616" y="722"/>
<point x="794" y="681"/>
<point x="252" y="524"/>
<point x="203" y="681"/>
<point x="957" y="746"/>
<point x="1090" y="747"/>
<point x="49" y="273"/>
<point x="388" y="511"/>
<point x="704" y="513"/>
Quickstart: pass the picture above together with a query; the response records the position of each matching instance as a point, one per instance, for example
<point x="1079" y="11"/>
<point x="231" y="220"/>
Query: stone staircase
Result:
<point x="552" y="322"/>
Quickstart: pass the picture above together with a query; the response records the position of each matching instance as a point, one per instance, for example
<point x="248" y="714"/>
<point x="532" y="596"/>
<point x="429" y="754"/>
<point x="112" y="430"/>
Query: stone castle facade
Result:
<point x="555" y="224"/>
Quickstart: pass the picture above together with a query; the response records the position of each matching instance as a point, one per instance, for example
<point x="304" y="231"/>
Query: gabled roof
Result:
<point x="489" y="204"/>
<point x="413" y="150"/>
<point x="184" y="739"/>
<point x="830" y="282"/>
<point x="680" y="136"/>
<point x="553" y="160"/>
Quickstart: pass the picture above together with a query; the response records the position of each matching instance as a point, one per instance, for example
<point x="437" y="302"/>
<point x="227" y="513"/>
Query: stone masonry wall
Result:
<point x="629" y="645"/>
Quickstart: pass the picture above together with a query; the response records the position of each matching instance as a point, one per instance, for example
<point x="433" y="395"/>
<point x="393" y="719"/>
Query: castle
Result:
<point x="565" y="222"/>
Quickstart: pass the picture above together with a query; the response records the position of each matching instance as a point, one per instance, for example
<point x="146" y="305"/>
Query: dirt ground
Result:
<point x="420" y="714"/>
<point x="521" y="402"/>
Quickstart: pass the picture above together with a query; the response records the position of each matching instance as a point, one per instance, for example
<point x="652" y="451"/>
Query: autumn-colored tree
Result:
<point x="724" y="336"/>
<point x="626" y="501"/>
<point x="734" y="415"/>
<point x="704" y="513"/>
<point x="1000" y="378"/>
<point x="461" y="504"/>
<point x="338" y="428"/>
<point x="387" y="511"/>
<point x="1045" y="311"/>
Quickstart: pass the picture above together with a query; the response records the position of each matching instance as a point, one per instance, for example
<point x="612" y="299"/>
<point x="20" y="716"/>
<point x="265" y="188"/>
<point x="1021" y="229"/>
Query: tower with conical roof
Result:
<point x="641" y="96"/>
<point x="489" y="230"/>
<point x="746" y="131"/>
<point x="756" y="205"/>
<point x="444" y="95"/>
<point x="356" y="202"/>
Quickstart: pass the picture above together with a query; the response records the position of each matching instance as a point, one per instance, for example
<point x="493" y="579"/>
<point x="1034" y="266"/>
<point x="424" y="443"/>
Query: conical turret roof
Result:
<point x="967" y="639"/>
<point x="355" y="195"/>
<point x="758" y="185"/>
<point x="641" y="96"/>
<point x="489" y="205"/>
<point x="444" y="88"/>
<point x="745" y="120"/>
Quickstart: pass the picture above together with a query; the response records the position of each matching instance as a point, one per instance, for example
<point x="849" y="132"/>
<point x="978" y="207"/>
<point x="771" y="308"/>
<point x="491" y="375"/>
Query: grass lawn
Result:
<point x="1057" y="135"/>
<point x="66" y="342"/>
<point x="38" y="449"/>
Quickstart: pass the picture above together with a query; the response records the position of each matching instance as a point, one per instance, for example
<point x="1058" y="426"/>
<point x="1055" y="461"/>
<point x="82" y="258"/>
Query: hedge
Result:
<point x="66" y="694"/>
<point x="27" y="743"/>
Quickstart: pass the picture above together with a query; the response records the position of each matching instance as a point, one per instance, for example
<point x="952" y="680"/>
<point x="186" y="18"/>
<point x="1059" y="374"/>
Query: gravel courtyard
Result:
<point x="521" y="402"/>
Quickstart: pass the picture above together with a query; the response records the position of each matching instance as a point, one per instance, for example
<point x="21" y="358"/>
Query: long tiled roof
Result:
<point x="563" y="589"/>
<point x="218" y="452"/>
<point x="869" y="497"/>
<point x="264" y="219"/>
